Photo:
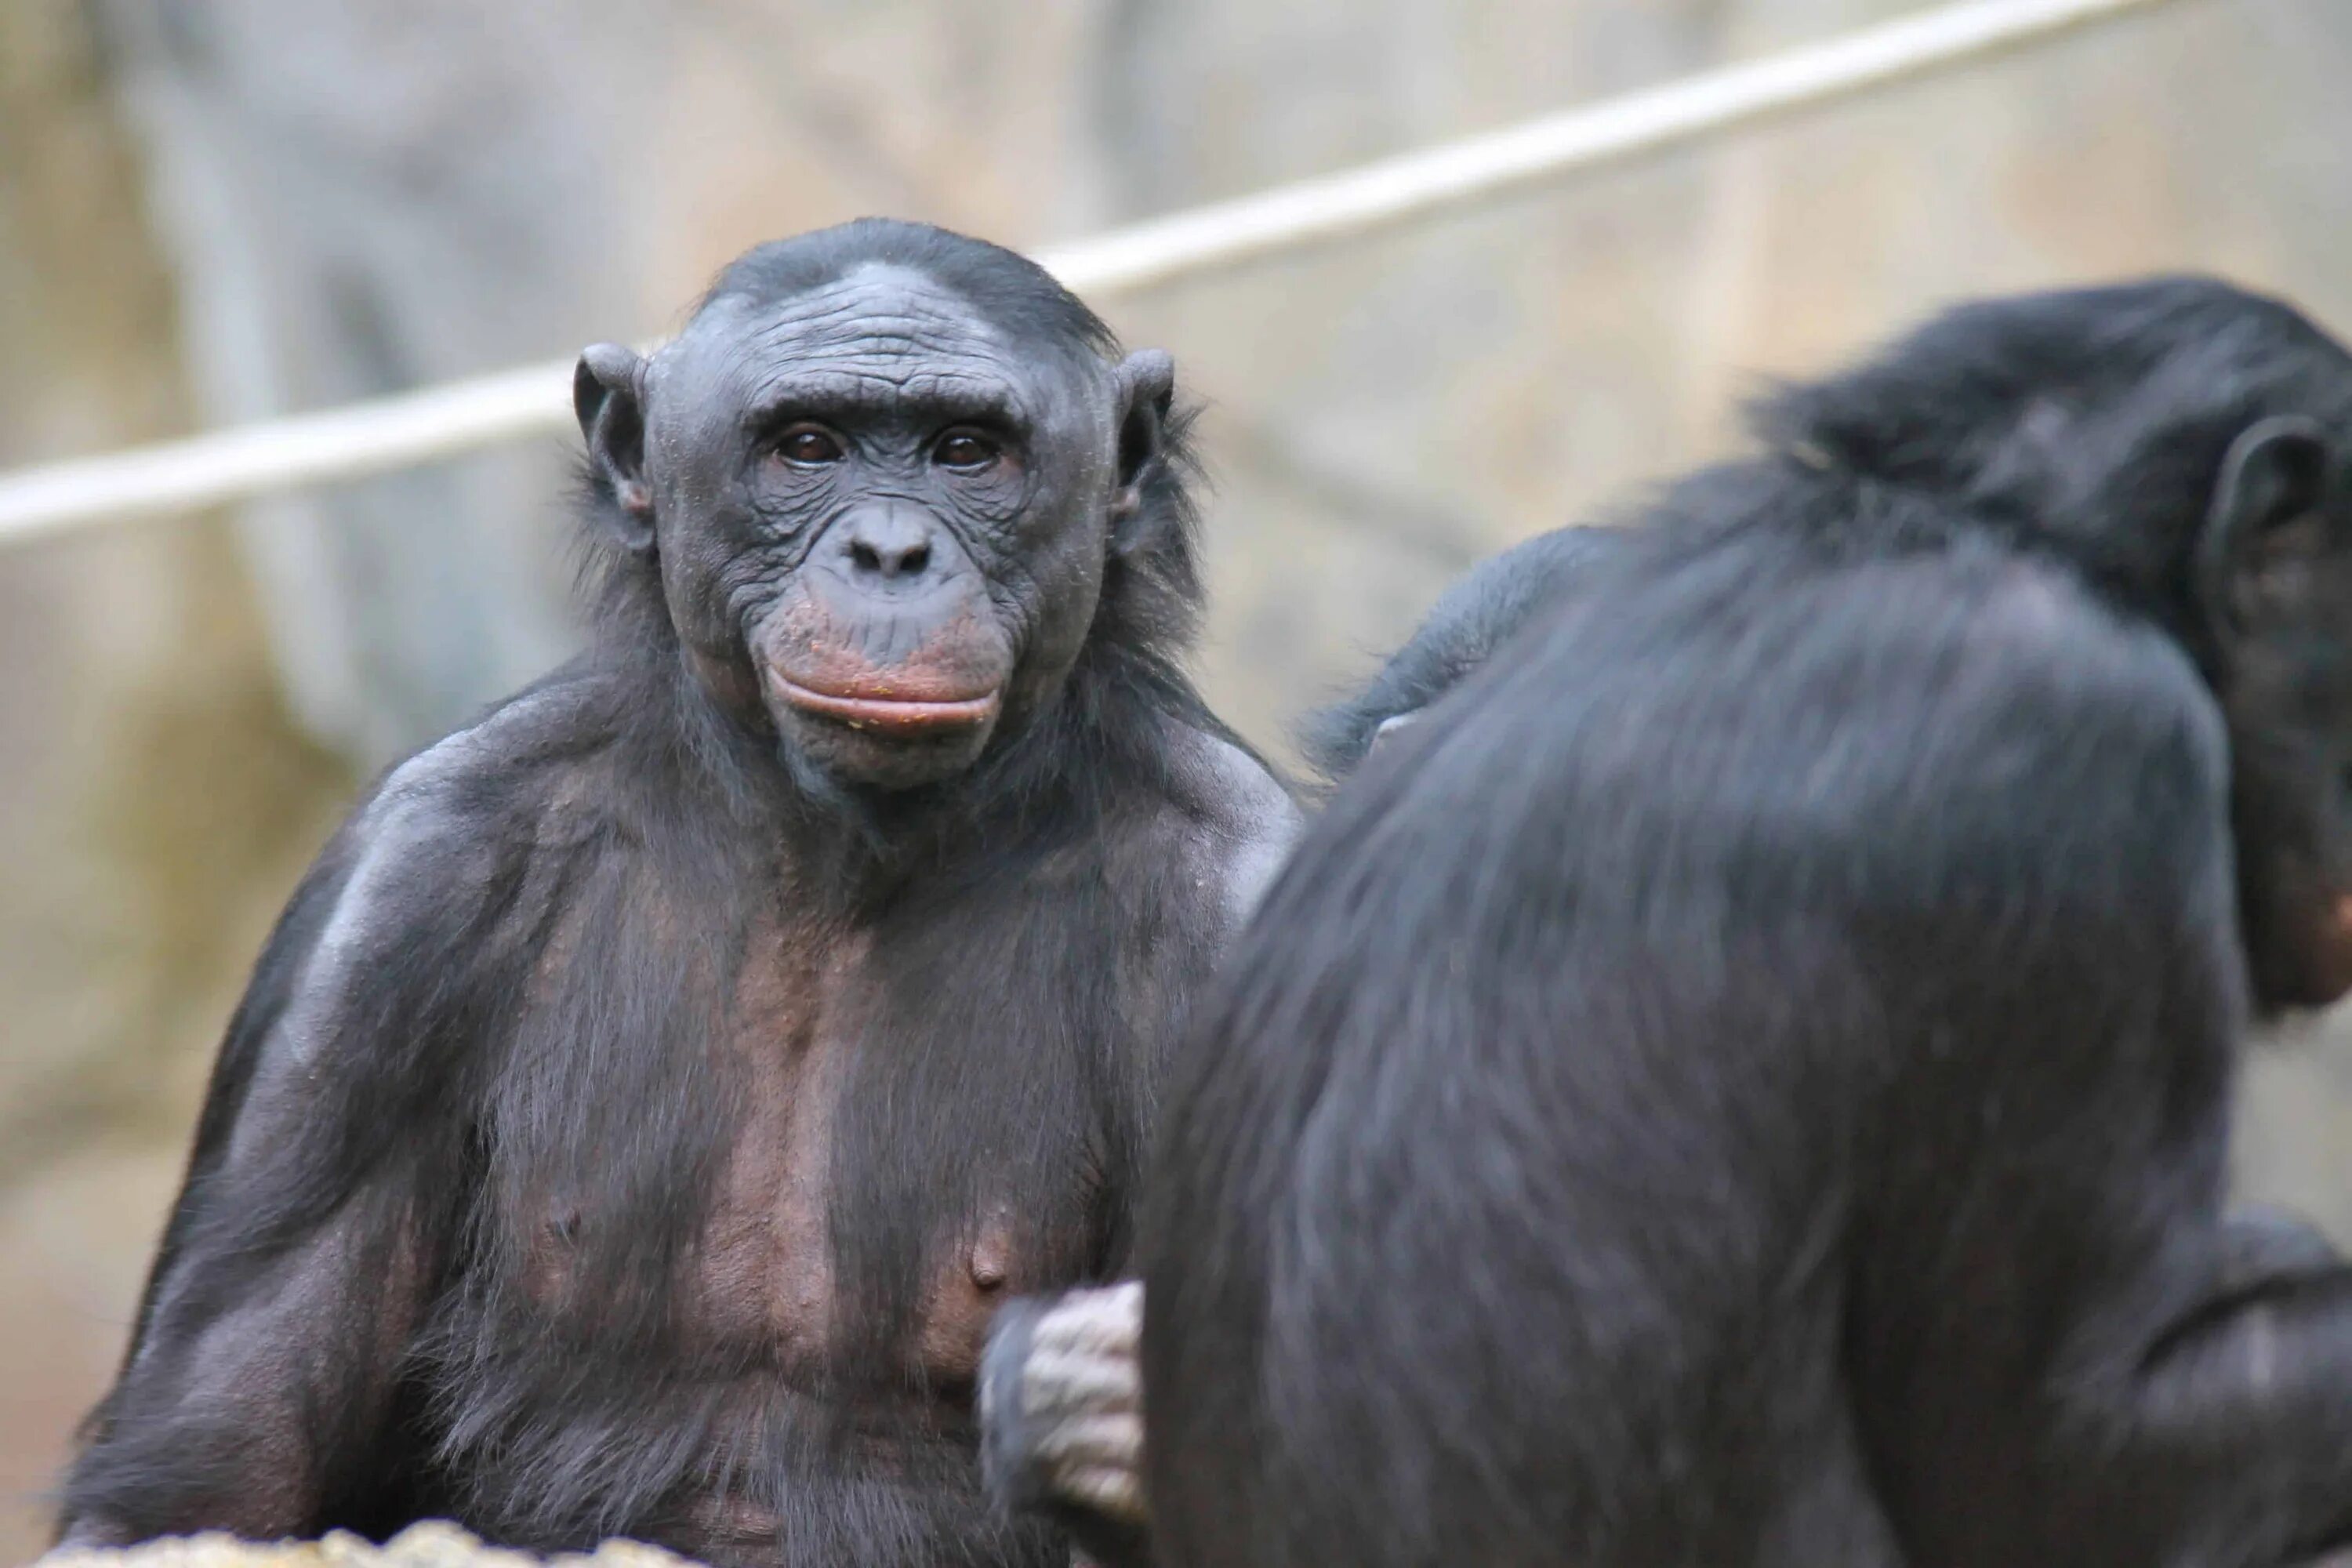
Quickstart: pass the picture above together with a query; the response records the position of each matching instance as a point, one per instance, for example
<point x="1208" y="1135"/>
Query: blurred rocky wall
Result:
<point x="217" y="209"/>
<point x="155" y="803"/>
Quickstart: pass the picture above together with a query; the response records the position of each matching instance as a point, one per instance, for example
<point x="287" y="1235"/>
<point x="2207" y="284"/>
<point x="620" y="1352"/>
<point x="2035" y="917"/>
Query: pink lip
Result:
<point x="890" y="714"/>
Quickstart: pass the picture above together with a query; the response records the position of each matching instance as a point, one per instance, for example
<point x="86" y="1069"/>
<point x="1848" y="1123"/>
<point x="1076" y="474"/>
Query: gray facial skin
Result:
<point x="877" y="519"/>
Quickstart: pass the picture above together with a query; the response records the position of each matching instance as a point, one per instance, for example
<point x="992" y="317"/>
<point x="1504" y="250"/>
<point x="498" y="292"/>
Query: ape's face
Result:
<point x="879" y="518"/>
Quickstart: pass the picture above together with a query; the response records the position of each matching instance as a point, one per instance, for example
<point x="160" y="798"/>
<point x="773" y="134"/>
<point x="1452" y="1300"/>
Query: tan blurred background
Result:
<point x="212" y="210"/>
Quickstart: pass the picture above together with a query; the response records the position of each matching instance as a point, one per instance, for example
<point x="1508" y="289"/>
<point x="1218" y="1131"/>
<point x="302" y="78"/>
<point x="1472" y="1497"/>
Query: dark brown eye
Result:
<point x="965" y="449"/>
<point x="808" y="445"/>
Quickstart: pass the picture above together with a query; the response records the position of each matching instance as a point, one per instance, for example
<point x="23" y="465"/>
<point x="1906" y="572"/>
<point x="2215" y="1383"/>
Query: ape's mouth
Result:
<point x="885" y="713"/>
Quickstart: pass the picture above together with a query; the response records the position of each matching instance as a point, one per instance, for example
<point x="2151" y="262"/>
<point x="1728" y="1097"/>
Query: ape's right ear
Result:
<point x="2267" y="524"/>
<point x="607" y="394"/>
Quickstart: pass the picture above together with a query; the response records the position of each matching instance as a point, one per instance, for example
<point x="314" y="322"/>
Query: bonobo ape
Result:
<point x="1745" y="1080"/>
<point x="647" y="1099"/>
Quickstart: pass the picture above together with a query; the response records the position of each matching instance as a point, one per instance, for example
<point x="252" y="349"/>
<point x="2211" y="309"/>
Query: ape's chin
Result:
<point x="891" y="760"/>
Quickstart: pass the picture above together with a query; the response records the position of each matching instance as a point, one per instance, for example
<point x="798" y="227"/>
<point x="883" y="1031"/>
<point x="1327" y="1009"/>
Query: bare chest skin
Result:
<point x="758" y="1286"/>
<point x="765" y="1275"/>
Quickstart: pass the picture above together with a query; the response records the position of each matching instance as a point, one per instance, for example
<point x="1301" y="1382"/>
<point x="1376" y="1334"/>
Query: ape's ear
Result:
<point x="607" y="393"/>
<point x="2267" y="523"/>
<point x="1147" y="390"/>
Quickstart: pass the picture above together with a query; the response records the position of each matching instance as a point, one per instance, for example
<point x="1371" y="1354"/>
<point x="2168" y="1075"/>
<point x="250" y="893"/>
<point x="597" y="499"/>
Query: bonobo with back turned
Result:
<point x="1745" y="1082"/>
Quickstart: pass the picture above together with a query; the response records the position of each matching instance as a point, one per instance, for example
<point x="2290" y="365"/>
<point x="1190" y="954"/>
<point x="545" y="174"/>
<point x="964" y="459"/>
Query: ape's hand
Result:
<point x="1061" y="1415"/>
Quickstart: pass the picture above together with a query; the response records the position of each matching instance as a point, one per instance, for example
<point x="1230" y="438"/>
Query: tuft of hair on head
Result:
<point x="1948" y="401"/>
<point x="2091" y="423"/>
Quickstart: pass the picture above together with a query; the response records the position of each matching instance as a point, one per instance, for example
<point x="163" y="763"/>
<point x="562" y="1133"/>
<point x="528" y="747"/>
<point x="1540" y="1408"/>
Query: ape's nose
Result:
<point x="885" y="543"/>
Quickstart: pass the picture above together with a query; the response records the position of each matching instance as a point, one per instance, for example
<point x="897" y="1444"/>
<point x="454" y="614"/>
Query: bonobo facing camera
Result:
<point x="648" y="1096"/>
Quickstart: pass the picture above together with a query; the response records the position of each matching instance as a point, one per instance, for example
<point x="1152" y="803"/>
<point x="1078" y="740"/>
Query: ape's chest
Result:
<point x="869" y="1234"/>
<point x="862" y="1165"/>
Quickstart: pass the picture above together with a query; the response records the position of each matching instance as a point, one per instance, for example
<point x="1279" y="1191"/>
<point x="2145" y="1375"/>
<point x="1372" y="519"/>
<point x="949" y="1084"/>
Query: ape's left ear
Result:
<point x="2268" y="517"/>
<point x="1147" y="390"/>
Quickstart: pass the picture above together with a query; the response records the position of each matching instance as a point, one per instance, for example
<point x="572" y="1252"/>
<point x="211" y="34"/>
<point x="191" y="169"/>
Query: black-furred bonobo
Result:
<point x="647" y="1098"/>
<point x="1746" y="1082"/>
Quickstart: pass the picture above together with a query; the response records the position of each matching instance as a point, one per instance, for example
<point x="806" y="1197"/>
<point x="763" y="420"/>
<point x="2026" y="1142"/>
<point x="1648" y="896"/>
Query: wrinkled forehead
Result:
<point x="880" y="338"/>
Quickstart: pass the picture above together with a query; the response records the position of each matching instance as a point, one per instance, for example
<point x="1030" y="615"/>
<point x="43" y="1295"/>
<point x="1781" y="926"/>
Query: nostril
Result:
<point x="887" y="550"/>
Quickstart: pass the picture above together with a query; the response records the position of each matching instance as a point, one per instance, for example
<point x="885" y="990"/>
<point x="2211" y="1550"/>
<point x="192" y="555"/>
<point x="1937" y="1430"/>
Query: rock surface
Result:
<point x="432" y="1544"/>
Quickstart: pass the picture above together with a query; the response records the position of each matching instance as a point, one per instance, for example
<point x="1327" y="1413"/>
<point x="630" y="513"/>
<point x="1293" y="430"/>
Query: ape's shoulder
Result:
<point x="462" y="823"/>
<point x="531" y="738"/>
<point x="426" y="896"/>
<point x="1232" y="817"/>
<point x="518" y="769"/>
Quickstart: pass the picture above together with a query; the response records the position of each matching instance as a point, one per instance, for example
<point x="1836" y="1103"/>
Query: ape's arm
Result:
<point x="259" y="1389"/>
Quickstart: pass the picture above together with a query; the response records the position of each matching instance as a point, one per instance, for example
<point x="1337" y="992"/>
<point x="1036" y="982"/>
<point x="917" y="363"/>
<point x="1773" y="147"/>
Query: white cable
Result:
<point x="460" y="416"/>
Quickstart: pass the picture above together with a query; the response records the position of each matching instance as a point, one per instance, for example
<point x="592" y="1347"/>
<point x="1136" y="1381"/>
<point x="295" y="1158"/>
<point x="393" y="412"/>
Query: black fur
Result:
<point x="486" y="1215"/>
<point x="1747" y="1081"/>
<point x="1470" y="621"/>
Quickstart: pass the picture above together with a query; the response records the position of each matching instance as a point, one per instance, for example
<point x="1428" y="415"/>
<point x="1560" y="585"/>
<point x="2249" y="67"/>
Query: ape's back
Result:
<point x="1534" y="1193"/>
